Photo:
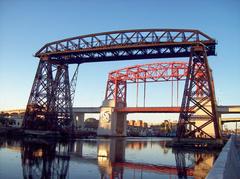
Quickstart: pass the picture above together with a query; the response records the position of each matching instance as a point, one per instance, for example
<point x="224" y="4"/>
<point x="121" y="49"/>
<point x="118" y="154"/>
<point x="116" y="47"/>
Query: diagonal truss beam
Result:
<point x="126" y="45"/>
<point x="199" y="95"/>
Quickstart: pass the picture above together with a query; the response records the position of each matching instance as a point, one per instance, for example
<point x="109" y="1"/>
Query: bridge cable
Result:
<point x="137" y="94"/>
<point x="172" y="93"/>
<point x="144" y="97"/>
<point x="177" y="91"/>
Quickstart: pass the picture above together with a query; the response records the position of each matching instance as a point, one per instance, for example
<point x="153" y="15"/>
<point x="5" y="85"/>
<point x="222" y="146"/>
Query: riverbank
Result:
<point x="227" y="164"/>
<point x="200" y="144"/>
<point x="197" y="143"/>
<point x="19" y="133"/>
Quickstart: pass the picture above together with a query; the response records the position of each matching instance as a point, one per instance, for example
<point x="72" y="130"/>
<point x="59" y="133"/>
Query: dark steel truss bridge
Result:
<point x="50" y="103"/>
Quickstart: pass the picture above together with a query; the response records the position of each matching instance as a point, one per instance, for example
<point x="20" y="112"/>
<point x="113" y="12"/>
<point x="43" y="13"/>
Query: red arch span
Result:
<point x="155" y="72"/>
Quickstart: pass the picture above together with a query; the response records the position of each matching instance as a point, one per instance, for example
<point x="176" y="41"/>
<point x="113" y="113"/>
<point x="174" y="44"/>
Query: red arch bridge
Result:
<point x="50" y="103"/>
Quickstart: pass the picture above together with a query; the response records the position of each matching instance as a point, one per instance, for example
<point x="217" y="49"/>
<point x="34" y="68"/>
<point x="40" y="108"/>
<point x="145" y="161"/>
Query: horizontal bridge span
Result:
<point x="233" y="119"/>
<point x="229" y="109"/>
<point x="221" y="109"/>
<point x="86" y="110"/>
<point x="161" y="71"/>
<point x="130" y="110"/>
<point x="149" y="110"/>
<point x="126" y="45"/>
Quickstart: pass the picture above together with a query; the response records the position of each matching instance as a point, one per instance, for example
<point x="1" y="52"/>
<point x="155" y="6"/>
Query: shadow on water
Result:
<point x="202" y="162"/>
<point x="45" y="159"/>
<point x="112" y="158"/>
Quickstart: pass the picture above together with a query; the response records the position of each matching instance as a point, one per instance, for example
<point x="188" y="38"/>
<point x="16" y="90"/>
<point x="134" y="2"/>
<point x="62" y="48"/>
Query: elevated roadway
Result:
<point x="86" y="110"/>
<point x="231" y="109"/>
<point x="221" y="109"/>
<point x="149" y="110"/>
<point x="233" y="119"/>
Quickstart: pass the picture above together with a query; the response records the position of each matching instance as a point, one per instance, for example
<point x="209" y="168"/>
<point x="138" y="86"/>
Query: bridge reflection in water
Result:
<point x="108" y="158"/>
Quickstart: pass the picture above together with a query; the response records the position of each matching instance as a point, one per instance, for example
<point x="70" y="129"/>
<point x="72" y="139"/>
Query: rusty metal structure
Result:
<point x="198" y="93"/>
<point x="194" y="99"/>
<point x="50" y="102"/>
<point x="155" y="72"/>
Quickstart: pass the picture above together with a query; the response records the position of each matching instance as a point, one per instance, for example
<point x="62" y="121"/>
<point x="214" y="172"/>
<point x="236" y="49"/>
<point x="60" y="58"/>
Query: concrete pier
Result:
<point x="111" y="123"/>
<point x="227" y="164"/>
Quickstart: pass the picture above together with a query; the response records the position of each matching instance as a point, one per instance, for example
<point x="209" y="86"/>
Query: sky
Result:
<point x="26" y="25"/>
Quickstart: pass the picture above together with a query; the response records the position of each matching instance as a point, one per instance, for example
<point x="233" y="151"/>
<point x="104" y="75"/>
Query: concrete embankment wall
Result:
<point x="227" y="164"/>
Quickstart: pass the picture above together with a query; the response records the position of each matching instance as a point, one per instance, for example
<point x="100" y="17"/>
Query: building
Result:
<point x="137" y="128"/>
<point x="166" y="128"/>
<point x="138" y="123"/>
<point x="131" y="123"/>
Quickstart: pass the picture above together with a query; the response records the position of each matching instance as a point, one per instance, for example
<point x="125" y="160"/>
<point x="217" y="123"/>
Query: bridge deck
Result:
<point x="232" y="119"/>
<point x="86" y="110"/>
<point x="229" y="109"/>
<point x="220" y="109"/>
<point x="149" y="110"/>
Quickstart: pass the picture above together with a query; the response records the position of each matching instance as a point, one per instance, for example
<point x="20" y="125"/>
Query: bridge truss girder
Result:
<point x="50" y="101"/>
<point x="155" y="72"/>
<point x="126" y="45"/>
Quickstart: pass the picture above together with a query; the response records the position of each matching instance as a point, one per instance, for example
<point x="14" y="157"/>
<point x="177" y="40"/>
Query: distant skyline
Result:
<point x="26" y="25"/>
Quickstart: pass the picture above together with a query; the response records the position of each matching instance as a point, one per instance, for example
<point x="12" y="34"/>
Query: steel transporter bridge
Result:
<point x="50" y="105"/>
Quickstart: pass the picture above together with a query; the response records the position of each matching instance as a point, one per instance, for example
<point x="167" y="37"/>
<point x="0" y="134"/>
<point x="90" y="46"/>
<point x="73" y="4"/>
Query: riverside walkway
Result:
<point x="227" y="164"/>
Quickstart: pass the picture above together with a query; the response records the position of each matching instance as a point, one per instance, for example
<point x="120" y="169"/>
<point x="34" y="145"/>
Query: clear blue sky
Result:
<point x="26" y="25"/>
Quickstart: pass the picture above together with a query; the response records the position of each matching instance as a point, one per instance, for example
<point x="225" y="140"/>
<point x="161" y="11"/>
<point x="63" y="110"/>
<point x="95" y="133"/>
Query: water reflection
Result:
<point x="45" y="159"/>
<point x="104" y="158"/>
<point x="109" y="153"/>
<point x="202" y="162"/>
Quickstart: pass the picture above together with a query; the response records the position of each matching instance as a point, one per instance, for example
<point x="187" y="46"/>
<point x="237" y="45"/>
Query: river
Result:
<point x="143" y="158"/>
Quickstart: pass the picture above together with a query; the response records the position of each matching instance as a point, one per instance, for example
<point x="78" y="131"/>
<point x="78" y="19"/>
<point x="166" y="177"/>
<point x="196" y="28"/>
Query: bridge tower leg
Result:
<point x="199" y="96"/>
<point x="49" y="106"/>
